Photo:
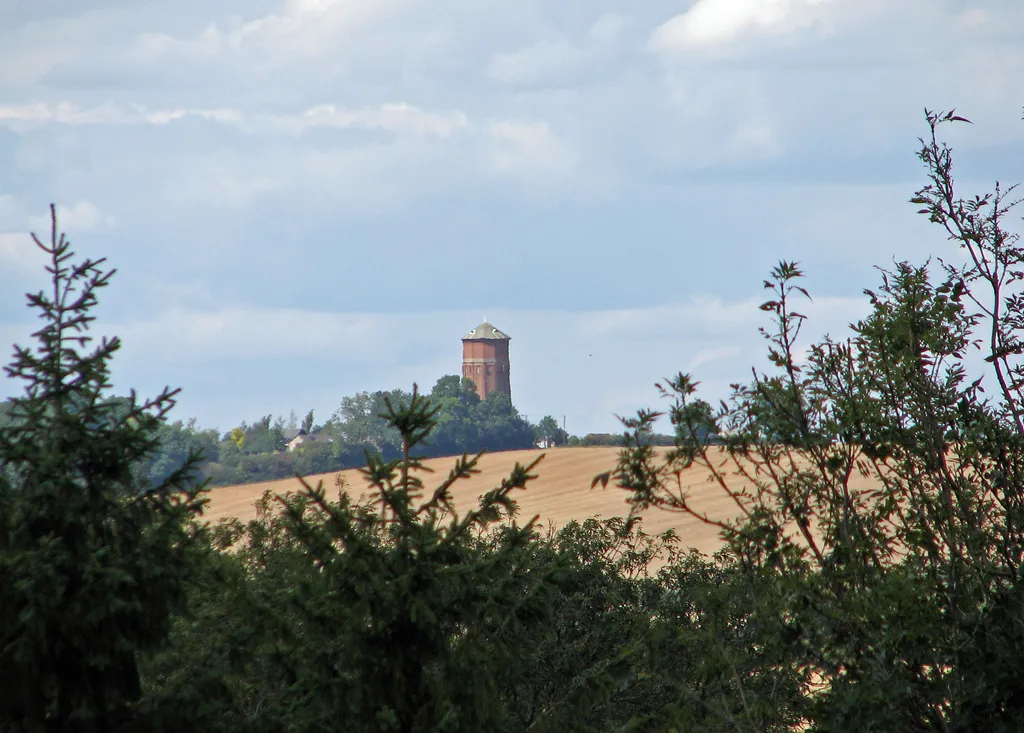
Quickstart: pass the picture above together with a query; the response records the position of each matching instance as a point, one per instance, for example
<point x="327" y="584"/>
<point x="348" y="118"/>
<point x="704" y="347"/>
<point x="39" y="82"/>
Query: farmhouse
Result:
<point x="297" y="437"/>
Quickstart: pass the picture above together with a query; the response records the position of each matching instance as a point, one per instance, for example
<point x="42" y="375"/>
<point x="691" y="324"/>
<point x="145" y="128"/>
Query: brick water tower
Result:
<point x="485" y="360"/>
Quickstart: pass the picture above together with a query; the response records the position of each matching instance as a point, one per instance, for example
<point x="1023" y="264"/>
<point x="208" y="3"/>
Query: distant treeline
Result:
<point x="260" y="450"/>
<point x="616" y="439"/>
<point x="267" y="449"/>
<point x="271" y="448"/>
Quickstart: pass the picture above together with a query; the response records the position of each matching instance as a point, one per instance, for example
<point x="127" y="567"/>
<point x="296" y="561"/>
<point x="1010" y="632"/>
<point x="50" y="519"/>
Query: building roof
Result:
<point x="486" y="331"/>
<point x="302" y="436"/>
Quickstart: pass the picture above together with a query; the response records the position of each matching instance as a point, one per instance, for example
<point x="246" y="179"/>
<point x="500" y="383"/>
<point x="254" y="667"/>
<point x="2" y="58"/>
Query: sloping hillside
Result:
<point x="560" y="493"/>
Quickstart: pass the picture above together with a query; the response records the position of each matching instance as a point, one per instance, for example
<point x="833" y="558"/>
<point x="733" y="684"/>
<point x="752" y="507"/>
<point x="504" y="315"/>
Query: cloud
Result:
<point x="304" y="158"/>
<point x="297" y="31"/>
<point x="82" y="216"/>
<point x="537" y="62"/>
<point x="19" y="116"/>
<point x="710" y="23"/>
<point x="360" y="160"/>
<point x="299" y="46"/>
<point x="304" y="26"/>
<point x="608" y="28"/>
<point x="18" y="250"/>
<point x="706" y="356"/>
<point x="559" y="60"/>
<point x="31" y="49"/>
<point x="390" y="117"/>
<point x="12" y="212"/>
<point x="793" y="83"/>
<point x="529" y="149"/>
<point x="62" y="113"/>
<point x="365" y="177"/>
<point x="589" y="365"/>
<point x="255" y="333"/>
<point x="707" y="316"/>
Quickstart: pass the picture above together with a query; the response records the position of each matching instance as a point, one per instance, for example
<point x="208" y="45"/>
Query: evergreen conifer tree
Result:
<point x="93" y="559"/>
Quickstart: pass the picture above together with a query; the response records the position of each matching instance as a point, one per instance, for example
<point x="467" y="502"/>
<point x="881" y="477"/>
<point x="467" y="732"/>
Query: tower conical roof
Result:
<point x="486" y="331"/>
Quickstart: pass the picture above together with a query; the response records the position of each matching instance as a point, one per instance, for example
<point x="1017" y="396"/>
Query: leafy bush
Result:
<point x="884" y="476"/>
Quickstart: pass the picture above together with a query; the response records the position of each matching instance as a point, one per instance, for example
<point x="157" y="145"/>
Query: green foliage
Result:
<point x="257" y="451"/>
<point x="618" y="439"/>
<point x="176" y="443"/>
<point x="467" y="424"/>
<point x="93" y="560"/>
<point x="387" y="611"/>
<point x="564" y="631"/>
<point x="584" y="670"/>
<point x="710" y="649"/>
<point x="315" y="457"/>
<point x="880" y="526"/>
<point x="360" y="422"/>
<point x="458" y="427"/>
<point x="551" y="433"/>
<point x="501" y="425"/>
<point x="626" y="650"/>
<point x="266" y="435"/>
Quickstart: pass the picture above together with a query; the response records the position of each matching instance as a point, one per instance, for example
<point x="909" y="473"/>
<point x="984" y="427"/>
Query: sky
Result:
<point x="305" y="199"/>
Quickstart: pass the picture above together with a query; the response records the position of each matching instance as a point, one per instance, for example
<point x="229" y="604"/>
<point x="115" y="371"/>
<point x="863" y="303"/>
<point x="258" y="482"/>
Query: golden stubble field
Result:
<point x="560" y="493"/>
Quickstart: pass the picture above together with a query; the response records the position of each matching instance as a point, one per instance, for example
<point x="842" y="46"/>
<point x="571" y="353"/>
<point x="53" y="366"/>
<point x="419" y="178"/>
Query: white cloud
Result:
<point x="530" y="149"/>
<point x="391" y="117"/>
<point x="559" y="59"/>
<point x="18" y="250"/>
<point x="757" y="82"/>
<point x="394" y="117"/>
<point x="417" y="155"/>
<point x="303" y="26"/>
<point x="708" y="316"/>
<point x="63" y="113"/>
<point x="754" y="139"/>
<point x="608" y="28"/>
<point x="251" y="333"/>
<point x="225" y="180"/>
<point x="588" y="365"/>
<point x="301" y="42"/>
<point x="79" y="217"/>
<point x="29" y="52"/>
<point x="706" y="356"/>
<point x="301" y="29"/>
<point x="68" y="113"/>
<point x="286" y="133"/>
<point x="975" y="18"/>
<point x="710" y="23"/>
<point x="166" y="116"/>
<point x="12" y="213"/>
<point x="537" y="62"/>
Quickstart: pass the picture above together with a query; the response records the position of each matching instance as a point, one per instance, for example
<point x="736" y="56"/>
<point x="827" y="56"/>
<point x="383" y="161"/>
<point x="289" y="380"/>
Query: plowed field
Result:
<point x="560" y="493"/>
